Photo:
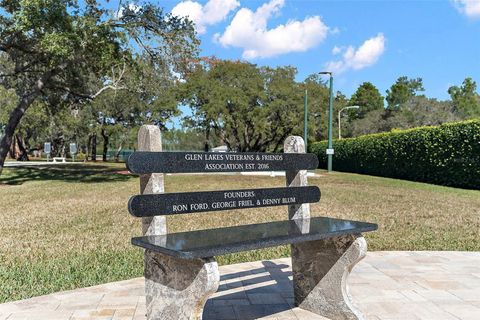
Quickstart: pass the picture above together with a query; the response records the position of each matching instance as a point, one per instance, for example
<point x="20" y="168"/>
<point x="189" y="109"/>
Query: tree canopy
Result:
<point x="248" y="108"/>
<point x="368" y="98"/>
<point x="403" y="90"/>
<point x="465" y="98"/>
<point x="77" y="72"/>
<point x="61" y="50"/>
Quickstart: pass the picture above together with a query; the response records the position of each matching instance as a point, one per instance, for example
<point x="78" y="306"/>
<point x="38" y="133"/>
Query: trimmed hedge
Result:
<point x="448" y="154"/>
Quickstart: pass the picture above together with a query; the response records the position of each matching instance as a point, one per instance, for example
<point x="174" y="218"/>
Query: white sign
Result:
<point x="330" y="151"/>
<point x="47" y="147"/>
<point x="73" y="148"/>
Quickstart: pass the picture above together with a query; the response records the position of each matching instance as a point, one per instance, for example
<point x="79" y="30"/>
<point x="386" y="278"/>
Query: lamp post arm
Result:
<point x="340" y="114"/>
<point x="339" y="118"/>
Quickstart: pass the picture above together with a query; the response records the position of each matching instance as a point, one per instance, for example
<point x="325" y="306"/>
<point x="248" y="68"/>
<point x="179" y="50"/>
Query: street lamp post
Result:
<point x="305" y="120"/>
<point x="330" y="122"/>
<point x="339" y="115"/>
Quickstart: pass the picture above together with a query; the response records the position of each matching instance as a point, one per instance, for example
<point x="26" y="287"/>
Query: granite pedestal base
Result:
<point x="320" y="270"/>
<point x="177" y="289"/>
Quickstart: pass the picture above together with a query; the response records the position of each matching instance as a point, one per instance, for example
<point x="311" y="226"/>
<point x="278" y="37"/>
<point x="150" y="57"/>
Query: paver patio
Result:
<point x="385" y="285"/>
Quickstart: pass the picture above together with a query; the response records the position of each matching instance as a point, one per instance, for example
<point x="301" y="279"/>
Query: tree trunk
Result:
<point x="207" y="139"/>
<point x="105" y="145"/>
<point x="12" y="151"/>
<point x="117" y="154"/>
<point x="23" y="153"/>
<point x="89" y="144"/>
<point x="13" y="121"/>
<point x="94" y="147"/>
<point x="17" y="114"/>
<point x="58" y="146"/>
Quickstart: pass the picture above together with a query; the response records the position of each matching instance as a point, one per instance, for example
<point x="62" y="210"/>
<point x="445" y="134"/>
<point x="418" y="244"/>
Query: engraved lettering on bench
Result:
<point x="174" y="203"/>
<point x="193" y="157"/>
<point x="239" y="194"/>
<point x="179" y="207"/>
<point x="224" y="166"/>
<point x="143" y="162"/>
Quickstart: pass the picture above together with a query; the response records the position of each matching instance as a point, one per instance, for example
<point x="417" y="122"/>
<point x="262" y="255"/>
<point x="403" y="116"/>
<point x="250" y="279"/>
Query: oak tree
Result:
<point x="69" y="50"/>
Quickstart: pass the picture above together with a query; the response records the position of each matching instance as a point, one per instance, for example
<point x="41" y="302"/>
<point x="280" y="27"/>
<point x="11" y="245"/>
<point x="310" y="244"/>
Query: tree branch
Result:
<point x="116" y="81"/>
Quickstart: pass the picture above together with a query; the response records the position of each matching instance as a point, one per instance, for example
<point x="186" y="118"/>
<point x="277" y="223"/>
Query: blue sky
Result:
<point x="375" y="41"/>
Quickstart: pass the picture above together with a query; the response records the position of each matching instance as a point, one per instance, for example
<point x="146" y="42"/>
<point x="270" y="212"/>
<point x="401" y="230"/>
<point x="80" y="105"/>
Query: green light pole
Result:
<point x="330" y="122"/>
<point x="305" y="119"/>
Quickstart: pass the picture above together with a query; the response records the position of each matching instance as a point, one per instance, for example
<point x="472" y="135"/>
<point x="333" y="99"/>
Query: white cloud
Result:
<point x="212" y="12"/>
<point x="366" y="55"/>
<point x="336" y="50"/>
<point x="470" y="8"/>
<point x="335" y="30"/>
<point x="248" y="30"/>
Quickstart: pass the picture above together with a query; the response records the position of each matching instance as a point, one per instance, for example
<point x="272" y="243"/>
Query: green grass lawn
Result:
<point x="67" y="227"/>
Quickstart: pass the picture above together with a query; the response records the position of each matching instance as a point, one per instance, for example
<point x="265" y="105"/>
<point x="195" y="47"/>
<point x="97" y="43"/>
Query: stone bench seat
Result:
<point x="181" y="271"/>
<point x="220" y="241"/>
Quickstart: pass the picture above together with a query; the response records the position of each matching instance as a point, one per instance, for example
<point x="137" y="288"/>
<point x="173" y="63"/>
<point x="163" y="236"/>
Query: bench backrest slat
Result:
<point x="187" y="202"/>
<point x="151" y="163"/>
<point x="189" y="162"/>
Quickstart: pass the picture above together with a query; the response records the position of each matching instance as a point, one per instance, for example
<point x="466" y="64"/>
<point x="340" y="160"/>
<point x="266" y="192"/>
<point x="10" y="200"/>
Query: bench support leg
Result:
<point x="320" y="270"/>
<point x="177" y="289"/>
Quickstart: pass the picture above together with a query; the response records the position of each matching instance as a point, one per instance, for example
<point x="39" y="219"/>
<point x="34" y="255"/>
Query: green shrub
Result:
<point x="80" y="156"/>
<point x="448" y="154"/>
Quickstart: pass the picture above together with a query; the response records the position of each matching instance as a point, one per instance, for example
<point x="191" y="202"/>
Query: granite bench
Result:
<point x="180" y="268"/>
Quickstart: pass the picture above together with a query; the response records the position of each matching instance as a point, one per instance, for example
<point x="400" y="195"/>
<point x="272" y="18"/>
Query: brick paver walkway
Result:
<point x="385" y="285"/>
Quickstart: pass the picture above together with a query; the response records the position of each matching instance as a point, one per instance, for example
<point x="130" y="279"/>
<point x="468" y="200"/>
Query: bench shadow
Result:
<point x="67" y="173"/>
<point x="252" y="294"/>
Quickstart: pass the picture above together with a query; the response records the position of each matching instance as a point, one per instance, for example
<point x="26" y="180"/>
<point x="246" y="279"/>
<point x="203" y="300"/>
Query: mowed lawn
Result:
<point x="66" y="227"/>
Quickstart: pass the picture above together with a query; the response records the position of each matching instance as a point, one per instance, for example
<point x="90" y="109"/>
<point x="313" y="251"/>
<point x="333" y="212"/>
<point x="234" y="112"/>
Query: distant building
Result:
<point x="220" y="149"/>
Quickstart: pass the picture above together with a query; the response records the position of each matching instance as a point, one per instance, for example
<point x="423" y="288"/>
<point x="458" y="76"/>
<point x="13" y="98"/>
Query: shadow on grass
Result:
<point x="67" y="173"/>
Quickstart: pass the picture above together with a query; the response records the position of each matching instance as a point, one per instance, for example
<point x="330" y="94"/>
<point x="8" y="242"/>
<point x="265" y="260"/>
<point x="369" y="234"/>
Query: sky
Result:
<point x="375" y="41"/>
